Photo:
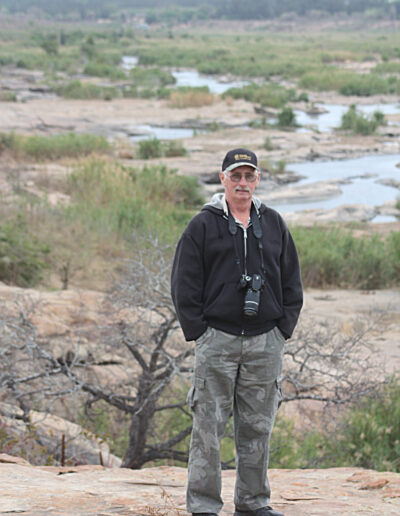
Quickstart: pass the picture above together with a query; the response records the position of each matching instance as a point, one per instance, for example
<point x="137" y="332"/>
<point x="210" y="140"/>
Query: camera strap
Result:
<point x="233" y="230"/>
<point x="257" y="231"/>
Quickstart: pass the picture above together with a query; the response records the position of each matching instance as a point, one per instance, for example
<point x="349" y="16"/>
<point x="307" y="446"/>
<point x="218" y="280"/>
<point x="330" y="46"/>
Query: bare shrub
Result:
<point x="130" y="361"/>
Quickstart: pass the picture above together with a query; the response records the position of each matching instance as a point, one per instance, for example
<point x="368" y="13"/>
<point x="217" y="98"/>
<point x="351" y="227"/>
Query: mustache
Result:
<point x="242" y="189"/>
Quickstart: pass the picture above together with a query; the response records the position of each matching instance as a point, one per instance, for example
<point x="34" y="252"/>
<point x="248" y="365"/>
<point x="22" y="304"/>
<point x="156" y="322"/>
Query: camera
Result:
<point x="253" y="285"/>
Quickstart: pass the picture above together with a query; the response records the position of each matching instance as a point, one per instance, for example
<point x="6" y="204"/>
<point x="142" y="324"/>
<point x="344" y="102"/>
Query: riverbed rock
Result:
<point x="160" y="491"/>
<point x="310" y="192"/>
<point x="389" y="209"/>
<point x="389" y="181"/>
<point x="343" y="213"/>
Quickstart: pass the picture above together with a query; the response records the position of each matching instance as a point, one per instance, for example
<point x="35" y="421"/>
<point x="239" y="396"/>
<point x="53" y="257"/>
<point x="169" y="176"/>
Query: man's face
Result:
<point x="240" y="190"/>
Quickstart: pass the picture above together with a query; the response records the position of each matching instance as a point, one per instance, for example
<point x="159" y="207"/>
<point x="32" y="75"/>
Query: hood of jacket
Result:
<point x="218" y="202"/>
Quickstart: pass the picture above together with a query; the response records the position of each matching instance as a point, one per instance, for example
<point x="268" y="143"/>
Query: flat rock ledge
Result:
<point x="87" y="490"/>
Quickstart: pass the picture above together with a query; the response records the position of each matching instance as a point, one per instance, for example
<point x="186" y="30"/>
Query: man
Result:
<point x="237" y="291"/>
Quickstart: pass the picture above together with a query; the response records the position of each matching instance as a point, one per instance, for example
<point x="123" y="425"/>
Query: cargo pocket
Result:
<point x="198" y="385"/>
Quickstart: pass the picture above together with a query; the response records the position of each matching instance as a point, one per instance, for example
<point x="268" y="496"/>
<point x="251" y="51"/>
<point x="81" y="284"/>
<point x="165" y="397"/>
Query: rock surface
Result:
<point x="161" y="491"/>
<point x="343" y="213"/>
<point x="81" y="446"/>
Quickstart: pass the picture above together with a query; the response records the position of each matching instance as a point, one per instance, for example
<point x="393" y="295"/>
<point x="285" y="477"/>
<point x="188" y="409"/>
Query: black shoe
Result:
<point x="263" y="511"/>
<point x="204" y="514"/>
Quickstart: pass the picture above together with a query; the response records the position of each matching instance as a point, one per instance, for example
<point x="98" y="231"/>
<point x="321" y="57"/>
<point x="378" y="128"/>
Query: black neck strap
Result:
<point x="257" y="231"/>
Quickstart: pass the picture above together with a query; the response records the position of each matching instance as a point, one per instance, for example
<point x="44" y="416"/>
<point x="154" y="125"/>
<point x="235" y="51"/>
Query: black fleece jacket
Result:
<point x="205" y="276"/>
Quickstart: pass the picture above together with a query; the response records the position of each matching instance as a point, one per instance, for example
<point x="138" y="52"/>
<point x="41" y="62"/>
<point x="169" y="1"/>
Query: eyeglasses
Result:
<point x="250" y="177"/>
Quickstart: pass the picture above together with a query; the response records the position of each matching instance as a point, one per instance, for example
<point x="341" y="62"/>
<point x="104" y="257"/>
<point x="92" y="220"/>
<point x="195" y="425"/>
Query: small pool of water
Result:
<point x="194" y="79"/>
<point x="145" y="132"/>
<point x="129" y="62"/>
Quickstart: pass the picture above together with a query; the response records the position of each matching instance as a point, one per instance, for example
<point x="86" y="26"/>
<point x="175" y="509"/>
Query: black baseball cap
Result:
<point x="237" y="158"/>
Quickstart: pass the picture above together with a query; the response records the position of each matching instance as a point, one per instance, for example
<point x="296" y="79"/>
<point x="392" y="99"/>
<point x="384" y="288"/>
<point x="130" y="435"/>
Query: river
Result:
<point x="359" y="182"/>
<point x="358" y="177"/>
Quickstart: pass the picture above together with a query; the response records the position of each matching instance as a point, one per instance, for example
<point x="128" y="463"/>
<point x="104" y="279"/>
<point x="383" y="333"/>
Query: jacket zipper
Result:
<point x="245" y="257"/>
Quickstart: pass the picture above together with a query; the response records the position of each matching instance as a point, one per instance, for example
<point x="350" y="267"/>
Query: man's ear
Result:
<point x="222" y="177"/>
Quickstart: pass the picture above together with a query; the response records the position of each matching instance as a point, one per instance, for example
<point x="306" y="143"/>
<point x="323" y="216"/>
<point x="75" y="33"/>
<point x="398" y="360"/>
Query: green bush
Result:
<point x="22" y="256"/>
<point x="370" y="433"/>
<point x="151" y="148"/>
<point x="334" y="257"/>
<point x="325" y="79"/>
<point x="371" y="84"/>
<point x="97" y="69"/>
<point x="154" y="148"/>
<point x="49" y="44"/>
<point x="286" y="118"/>
<point x="359" y="123"/>
<point x="77" y="90"/>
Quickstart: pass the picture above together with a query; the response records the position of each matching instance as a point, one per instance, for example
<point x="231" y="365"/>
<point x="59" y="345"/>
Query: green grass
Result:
<point x="390" y="67"/>
<point x="349" y="83"/>
<point x="76" y="89"/>
<point x="333" y="257"/>
<point x="41" y="148"/>
<point x="23" y="257"/>
<point x="116" y="200"/>
<point x="370" y="433"/>
<point x="366" y="435"/>
<point x="97" y="69"/>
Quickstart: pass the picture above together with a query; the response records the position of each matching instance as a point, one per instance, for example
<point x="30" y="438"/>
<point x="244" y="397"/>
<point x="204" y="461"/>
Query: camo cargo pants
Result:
<point x="244" y="371"/>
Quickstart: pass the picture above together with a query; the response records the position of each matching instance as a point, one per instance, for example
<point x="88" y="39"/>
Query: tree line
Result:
<point x="228" y="9"/>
